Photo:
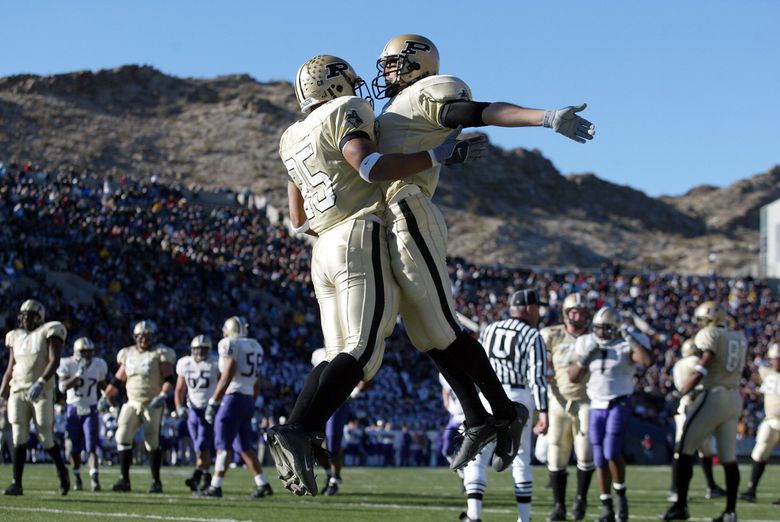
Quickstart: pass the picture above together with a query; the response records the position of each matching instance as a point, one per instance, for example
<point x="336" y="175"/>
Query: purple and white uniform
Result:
<point x="233" y="423"/>
<point x="201" y="378"/>
<point x="609" y="389"/>
<point x="451" y="434"/>
<point x="82" y="419"/>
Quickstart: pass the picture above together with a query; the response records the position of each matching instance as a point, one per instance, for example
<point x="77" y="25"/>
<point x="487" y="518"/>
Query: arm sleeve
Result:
<point x="465" y="113"/>
<point x="538" y="372"/>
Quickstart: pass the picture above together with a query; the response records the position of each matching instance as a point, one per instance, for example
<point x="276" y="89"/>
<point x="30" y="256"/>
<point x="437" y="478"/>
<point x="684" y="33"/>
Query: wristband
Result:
<point x="702" y="370"/>
<point x="301" y="229"/>
<point x="367" y="164"/>
<point x="434" y="161"/>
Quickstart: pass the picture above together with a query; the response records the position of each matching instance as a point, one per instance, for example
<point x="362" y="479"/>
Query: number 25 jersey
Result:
<point x="248" y="355"/>
<point x="728" y="349"/>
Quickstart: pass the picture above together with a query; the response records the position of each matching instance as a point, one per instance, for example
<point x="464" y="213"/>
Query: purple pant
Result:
<point x="334" y="428"/>
<point x="83" y="429"/>
<point x="201" y="432"/>
<point x="607" y="431"/>
<point x="450" y="437"/>
<point x="233" y="425"/>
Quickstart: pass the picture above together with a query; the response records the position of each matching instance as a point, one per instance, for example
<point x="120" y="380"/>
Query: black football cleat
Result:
<point x="474" y="439"/>
<point x="64" y="476"/>
<point x="210" y="492"/>
<point x="122" y="484"/>
<point x="726" y="516"/>
<point x="508" y="438"/>
<point x="14" y="490"/>
<point x="714" y="492"/>
<point x="192" y="484"/>
<point x="558" y="514"/>
<point x="622" y="509"/>
<point x="579" y="508"/>
<point x="155" y="487"/>
<point x="291" y="448"/>
<point x="79" y="485"/>
<point x="748" y="495"/>
<point x="262" y="491"/>
<point x="676" y="512"/>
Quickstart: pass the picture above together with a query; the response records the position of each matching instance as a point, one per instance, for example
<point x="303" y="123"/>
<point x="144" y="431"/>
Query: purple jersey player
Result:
<point x="232" y="406"/>
<point x="610" y="355"/>
<point x="80" y="377"/>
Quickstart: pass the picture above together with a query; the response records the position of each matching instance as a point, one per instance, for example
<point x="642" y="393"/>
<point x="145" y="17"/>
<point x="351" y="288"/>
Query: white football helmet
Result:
<point x="83" y="348"/>
<point x="576" y="301"/>
<point x="606" y="324"/>
<point x="200" y="347"/>
<point x="31" y="312"/>
<point x="414" y="58"/>
<point x="709" y="313"/>
<point x="235" y="327"/>
<point x="324" y="78"/>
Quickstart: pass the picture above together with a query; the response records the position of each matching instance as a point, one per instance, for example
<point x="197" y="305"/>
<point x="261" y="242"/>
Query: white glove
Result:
<point x="453" y="151"/>
<point x="157" y="402"/>
<point x="35" y="390"/>
<point x="181" y="412"/>
<point x="565" y="121"/>
<point x="211" y="411"/>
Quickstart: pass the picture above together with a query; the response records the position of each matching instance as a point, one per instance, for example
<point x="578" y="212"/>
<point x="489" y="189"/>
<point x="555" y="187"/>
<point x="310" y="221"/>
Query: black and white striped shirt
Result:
<point x="519" y="356"/>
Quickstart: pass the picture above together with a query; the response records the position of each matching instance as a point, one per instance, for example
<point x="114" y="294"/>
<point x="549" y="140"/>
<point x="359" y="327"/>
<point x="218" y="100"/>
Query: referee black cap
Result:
<point x="526" y="297"/>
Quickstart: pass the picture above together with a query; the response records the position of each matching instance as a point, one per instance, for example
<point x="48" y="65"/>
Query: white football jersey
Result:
<point x="201" y="378"/>
<point x="248" y="355"/>
<point x="92" y="374"/>
<point x="611" y="369"/>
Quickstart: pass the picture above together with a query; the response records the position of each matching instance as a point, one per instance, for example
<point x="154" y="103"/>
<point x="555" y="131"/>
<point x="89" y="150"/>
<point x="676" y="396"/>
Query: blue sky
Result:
<point x="682" y="93"/>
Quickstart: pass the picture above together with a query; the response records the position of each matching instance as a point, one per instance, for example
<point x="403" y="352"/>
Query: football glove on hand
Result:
<point x="211" y="411"/>
<point x="35" y="391"/>
<point x="566" y="121"/>
<point x="103" y="404"/>
<point x="181" y="413"/>
<point x="157" y="402"/>
<point x="453" y="151"/>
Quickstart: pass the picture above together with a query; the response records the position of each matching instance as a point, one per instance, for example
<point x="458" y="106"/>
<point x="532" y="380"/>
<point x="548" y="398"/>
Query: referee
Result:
<point x="519" y="357"/>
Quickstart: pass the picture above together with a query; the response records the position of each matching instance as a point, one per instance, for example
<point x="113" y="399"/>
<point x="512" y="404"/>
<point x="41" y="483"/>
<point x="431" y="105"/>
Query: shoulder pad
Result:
<point x="121" y="357"/>
<point x="166" y="354"/>
<point x="10" y="337"/>
<point x="443" y="88"/>
<point x="706" y="338"/>
<point x="225" y="348"/>
<point x="55" y="329"/>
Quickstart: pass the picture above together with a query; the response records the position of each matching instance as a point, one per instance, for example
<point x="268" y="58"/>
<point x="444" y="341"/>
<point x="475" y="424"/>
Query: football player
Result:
<point x="146" y="370"/>
<point x="769" y="430"/>
<point x="80" y="377"/>
<point x="33" y="357"/>
<point x="335" y="167"/>
<point x="231" y="406"/>
<point x="609" y="357"/>
<point x="682" y="370"/>
<point x="195" y="384"/>
<point x="423" y="108"/>
<point x="716" y="410"/>
<point x="569" y="408"/>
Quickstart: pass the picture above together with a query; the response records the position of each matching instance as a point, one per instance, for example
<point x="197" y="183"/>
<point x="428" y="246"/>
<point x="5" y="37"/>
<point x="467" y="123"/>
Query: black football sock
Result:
<point x="583" y="482"/>
<point x="674" y="475"/>
<point x="197" y="474"/>
<point x="337" y="381"/>
<point x="732" y="485"/>
<point x="684" y="474"/>
<point x="558" y="483"/>
<point x="462" y="385"/>
<point x="155" y="462"/>
<point x="304" y="399"/>
<point x="20" y="455"/>
<point x="755" y="475"/>
<point x="706" y="466"/>
<point x="125" y="458"/>
<point x="56" y="456"/>
<point x="473" y="360"/>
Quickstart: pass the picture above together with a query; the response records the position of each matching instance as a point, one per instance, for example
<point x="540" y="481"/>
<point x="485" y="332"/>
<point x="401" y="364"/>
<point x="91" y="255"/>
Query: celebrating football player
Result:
<point x="769" y="430"/>
<point x="681" y="372"/>
<point x="610" y="355"/>
<point x="231" y="406"/>
<point x="334" y="165"/>
<point x="33" y="357"/>
<point x="195" y="384"/>
<point x="423" y="108"/>
<point x="146" y="371"/>
<point x="715" y="411"/>
<point x="81" y="376"/>
<point x="569" y="408"/>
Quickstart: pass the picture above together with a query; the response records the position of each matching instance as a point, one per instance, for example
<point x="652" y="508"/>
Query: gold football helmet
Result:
<point x="577" y="301"/>
<point x="606" y="324"/>
<point x="235" y="327"/>
<point x="709" y="313"/>
<point x="83" y="348"/>
<point x="774" y="351"/>
<point x="413" y="56"/>
<point x="200" y="347"/>
<point x="145" y="327"/>
<point x="324" y="78"/>
<point x="688" y="348"/>
<point x="32" y="314"/>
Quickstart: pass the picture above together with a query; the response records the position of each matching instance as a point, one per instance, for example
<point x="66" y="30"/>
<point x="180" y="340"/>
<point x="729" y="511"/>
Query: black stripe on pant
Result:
<point x="688" y="421"/>
<point x="379" y="290"/>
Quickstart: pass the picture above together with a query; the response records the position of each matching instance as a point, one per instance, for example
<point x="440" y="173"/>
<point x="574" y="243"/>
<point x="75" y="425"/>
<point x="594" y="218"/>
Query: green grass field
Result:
<point x="368" y="494"/>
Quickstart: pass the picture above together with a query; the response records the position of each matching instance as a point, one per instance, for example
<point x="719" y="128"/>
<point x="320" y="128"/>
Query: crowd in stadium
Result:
<point x="146" y="250"/>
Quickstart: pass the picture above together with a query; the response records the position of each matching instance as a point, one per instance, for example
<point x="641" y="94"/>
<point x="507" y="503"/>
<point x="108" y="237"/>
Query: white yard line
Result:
<point x="115" y="515"/>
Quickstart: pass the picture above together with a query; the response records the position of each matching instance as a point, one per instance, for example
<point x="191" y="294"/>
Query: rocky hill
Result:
<point x="512" y="208"/>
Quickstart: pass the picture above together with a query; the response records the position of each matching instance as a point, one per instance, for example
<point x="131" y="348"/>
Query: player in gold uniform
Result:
<point x="334" y="165"/>
<point x="716" y="411"/>
<point x="422" y="109"/>
<point x="769" y="430"/>
<point x="34" y="356"/>
<point x="691" y="357"/>
<point x="569" y="406"/>
<point x="146" y="371"/>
